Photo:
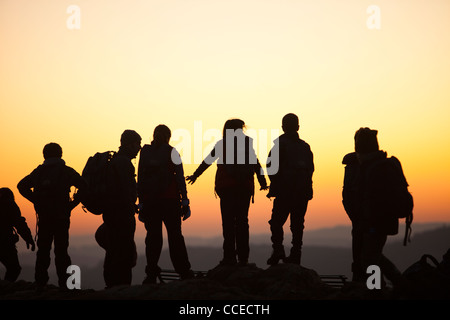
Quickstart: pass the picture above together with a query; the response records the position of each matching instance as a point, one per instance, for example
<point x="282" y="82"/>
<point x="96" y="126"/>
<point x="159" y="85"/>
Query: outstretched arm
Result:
<point x="212" y="156"/>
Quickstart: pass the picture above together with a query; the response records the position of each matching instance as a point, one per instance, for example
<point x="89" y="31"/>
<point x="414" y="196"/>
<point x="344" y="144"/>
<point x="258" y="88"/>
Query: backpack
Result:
<point x="428" y="280"/>
<point x="156" y="170"/>
<point x="399" y="199"/>
<point x="95" y="172"/>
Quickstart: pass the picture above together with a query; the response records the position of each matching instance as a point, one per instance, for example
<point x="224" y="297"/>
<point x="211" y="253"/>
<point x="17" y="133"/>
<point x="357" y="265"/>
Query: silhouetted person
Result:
<point x="48" y="188"/>
<point x="119" y="224"/>
<point x="366" y="184"/>
<point x="12" y="224"/>
<point x="163" y="199"/>
<point x="352" y="206"/>
<point x="291" y="186"/>
<point x="234" y="183"/>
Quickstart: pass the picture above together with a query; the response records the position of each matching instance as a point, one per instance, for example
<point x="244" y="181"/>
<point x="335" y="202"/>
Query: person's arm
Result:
<point x="76" y="180"/>
<point x="26" y="185"/>
<point x="21" y="226"/>
<point x="123" y="172"/>
<point x="257" y="169"/>
<point x="179" y="174"/>
<point x="273" y="161"/>
<point x="260" y="176"/>
<point x="212" y="156"/>
<point x="310" y="170"/>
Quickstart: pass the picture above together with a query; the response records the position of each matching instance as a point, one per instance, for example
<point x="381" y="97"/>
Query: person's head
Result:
<point x="290" y="123"/>
<point x="233" y="124"/>
<point x="130" y="141"/>
<point x="161" y="134"/>
<point x="366" y="141"/>
<point x="52" y="150"/>
<point x="6" y="194"/>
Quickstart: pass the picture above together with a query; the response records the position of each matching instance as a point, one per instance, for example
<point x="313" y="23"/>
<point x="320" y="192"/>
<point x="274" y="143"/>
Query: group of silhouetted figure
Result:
<point x="159" y="195"/>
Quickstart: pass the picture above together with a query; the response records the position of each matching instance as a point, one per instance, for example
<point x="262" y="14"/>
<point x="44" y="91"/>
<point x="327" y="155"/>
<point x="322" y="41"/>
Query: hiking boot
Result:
<point x="187" y="275"/>
<point x="149" y="280"/>
<point x="293" y="258"/>
<point x="228" y="262"/>
<point x="242" y="263"/>
<point x="276" y="256"/>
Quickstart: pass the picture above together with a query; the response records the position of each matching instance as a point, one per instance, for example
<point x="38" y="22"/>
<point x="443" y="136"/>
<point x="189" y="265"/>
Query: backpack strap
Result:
<point x="408" y="230"/>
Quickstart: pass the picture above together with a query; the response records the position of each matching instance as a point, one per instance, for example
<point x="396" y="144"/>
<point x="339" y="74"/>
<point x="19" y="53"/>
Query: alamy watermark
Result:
<point x="374" y="280"/>
<point x="226" y="147"/>
<point x="73" y="21"/>
<point x="74" y="279"/>
<point x="373" y="22"/>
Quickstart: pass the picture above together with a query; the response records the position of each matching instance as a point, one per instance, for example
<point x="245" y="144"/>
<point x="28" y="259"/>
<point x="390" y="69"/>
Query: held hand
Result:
<point x="32" y="245"/>
<point x="264" y="188"/>
<point x="191" y="179"/>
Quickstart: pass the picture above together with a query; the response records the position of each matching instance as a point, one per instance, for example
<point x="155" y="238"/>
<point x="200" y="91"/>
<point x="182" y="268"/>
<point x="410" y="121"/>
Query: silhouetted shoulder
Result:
<point x="305" y="144"/>
<point x="350" y="158"/>
<point x="395" y="161"/>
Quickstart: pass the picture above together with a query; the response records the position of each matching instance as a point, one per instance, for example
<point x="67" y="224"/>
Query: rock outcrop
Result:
<point x="284" y="281"/>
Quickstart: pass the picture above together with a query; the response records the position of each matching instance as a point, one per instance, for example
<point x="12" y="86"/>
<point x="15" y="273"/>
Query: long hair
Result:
<point x="233" y="124"/>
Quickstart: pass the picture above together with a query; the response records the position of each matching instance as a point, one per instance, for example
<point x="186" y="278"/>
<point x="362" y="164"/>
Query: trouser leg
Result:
<point x="280" y="213"/>
<point x="242" y="227"/>
<point x="228" y="229"/>
<point x="120" y="255"/>
<point x="44" y="244"/>
<point x="62" y="258"/>
<point x="9" y="258"/>
<point x="298" y="211"/>
<point x="177" y="246"/>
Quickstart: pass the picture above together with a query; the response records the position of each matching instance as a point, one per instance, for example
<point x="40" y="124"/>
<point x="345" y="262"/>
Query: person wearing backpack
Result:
<point x="163" y="199"/>
<point x="12" y="224"/>
<point x="291" y="185"/>
<point x="350" y="194"/>
<point x="234" y="184"/>
<point x="48" y="188"/>
<point x="370" y="198"/>
<point x="116" y="234"/>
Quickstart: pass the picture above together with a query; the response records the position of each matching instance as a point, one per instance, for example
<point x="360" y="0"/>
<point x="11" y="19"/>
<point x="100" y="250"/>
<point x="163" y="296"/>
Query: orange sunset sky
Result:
<point x="136" y="64"/>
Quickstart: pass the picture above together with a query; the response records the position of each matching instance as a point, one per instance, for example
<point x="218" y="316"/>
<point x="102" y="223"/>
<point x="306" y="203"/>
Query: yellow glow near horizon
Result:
<point x="136" y="65"/>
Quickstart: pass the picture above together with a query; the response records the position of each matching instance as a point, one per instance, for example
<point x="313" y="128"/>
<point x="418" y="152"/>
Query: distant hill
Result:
<point x="327" y="251"/>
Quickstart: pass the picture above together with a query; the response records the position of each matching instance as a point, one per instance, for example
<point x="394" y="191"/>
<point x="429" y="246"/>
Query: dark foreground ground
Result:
<point x="249" y="283"/>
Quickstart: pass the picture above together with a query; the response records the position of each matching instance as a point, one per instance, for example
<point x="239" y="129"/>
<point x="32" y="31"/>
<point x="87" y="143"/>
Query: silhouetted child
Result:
<point x="234" y="183"/>
<point x="48" y="188"/>
<point x="291" y="186"/>
<point x="12" y="224"/>
<point x="163" y="199"/>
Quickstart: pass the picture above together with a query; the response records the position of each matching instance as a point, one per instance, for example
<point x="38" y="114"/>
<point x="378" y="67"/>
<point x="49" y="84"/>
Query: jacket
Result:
<point x="160" y="173"/>
<point x="366" y="195"/>
<point x="121" y="182"/>
<point x="294" y="161"/>
<point x="237" y="164"/>
<point x="48" y="188"/>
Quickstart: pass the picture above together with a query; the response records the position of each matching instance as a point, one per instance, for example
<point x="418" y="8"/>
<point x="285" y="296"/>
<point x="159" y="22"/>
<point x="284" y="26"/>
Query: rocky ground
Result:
<point x="280" y="282"/>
